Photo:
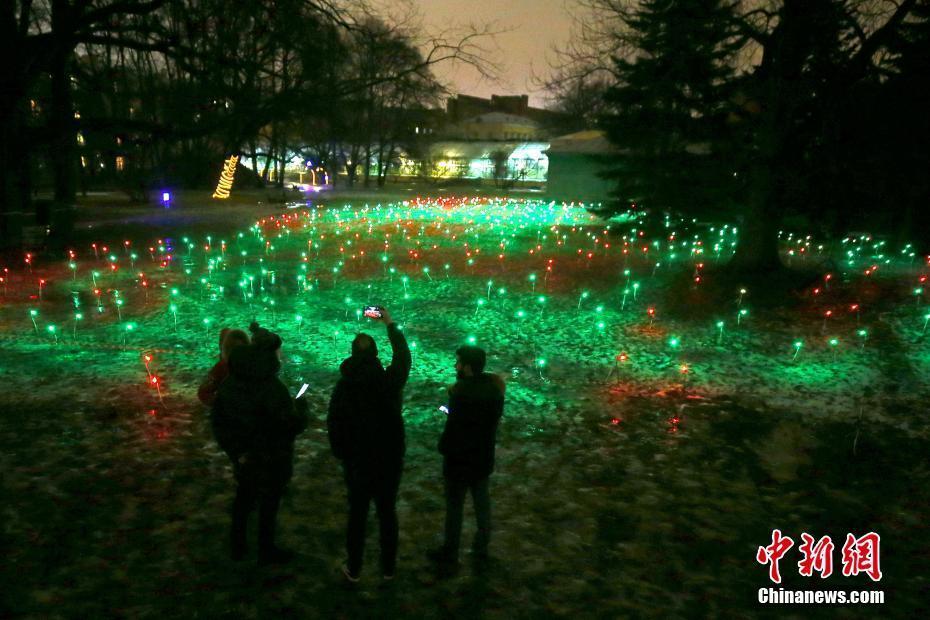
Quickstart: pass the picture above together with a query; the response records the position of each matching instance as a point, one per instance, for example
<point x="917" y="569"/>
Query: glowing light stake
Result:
<point x="93" y="276"/>
<point x="926" y="320"/>
<point x="154" y="381"/>
<point x="73" y="266"/>
<point x="619" y="359"/>
<point x="918" y="294"/>
<point x="532" y="279"/>
<point x="540" y="364"/>
<point x="651" y="313"/>
<point x="855" y="308"/>
<point x="739" y="301"/>
<point x="53" y="331"/>
<point x="41" y="286"/>
<point x="119" y="311"/>
<point x="626" y="292"/>
<point x="174" y="312"/>
<point x="300" y="322"/>
<point x="863" y="335"/>
<point x="584" y="295"/>
<point x="426" y="272"/>
<point x="635" y="288"/>
<point x="541" y="300"/>
<point x="478" y="304"/>
<point x="740" y="315"/>
<point x="128" y="329"/>
<point x="472" y="340"/>
<point x="32" y="315"/>
<point x="797" y="349"/>
<point x="77" y="318"/>
<point x="674" y="343"/>
<point x="490" y="284"/>
<point x="826" y="315"/>
<point x="720" y="325"/>
<point x="834" y="343"/>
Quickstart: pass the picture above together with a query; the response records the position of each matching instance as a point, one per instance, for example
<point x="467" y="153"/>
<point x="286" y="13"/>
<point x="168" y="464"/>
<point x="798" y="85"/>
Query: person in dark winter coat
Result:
<point x="476" y="404"/>
<point x="366" y="432"/>
<point x="229" y="340"/>
<point x="255" y="421"/>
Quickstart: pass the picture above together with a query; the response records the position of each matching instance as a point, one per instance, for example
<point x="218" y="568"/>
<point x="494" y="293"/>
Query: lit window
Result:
<point x="80" y="138"/>
<point x="120" y="162"/>
<point x="83" y="162"/>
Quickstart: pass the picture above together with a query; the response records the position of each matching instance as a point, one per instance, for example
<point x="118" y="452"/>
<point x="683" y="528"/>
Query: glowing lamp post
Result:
<point x="797" y="349"/>
<point x="32" y="315"/>
<point x="720" y="325"/>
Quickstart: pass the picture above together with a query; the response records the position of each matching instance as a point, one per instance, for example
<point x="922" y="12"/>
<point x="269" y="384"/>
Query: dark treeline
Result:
<point x="140" y="95"/>
<point x="766" y="113"/>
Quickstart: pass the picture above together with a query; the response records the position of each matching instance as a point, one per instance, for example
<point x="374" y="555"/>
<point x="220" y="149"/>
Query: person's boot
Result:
<point x="268" y="552"/>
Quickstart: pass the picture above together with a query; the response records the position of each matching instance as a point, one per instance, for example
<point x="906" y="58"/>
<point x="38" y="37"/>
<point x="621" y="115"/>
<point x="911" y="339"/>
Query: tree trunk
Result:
<point x="367" y="165"/>
<point x="14" y="185"/>
<point x="757" y="245"/>
<point x="63" y="152"/>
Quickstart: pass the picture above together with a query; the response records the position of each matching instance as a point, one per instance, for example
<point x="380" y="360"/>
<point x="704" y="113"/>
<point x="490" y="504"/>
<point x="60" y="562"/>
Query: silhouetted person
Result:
<point x="476" y="404"/>
<point x="366" y="432"/>
<point x="229" y="340"/>
<point x="255" y="421"/>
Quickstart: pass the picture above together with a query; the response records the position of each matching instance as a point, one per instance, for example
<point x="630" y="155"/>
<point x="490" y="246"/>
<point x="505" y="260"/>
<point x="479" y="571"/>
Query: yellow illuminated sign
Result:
<point x="226" y="178"/>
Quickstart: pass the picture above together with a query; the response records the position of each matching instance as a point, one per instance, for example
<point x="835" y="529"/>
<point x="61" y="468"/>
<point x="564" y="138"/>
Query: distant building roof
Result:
<point x="591" y="141"/>
<point x="501" y="118"/>
<point x="454" y="149"/>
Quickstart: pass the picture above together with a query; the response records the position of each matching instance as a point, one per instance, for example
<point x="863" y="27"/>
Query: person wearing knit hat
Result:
<point x="255" y="421"/>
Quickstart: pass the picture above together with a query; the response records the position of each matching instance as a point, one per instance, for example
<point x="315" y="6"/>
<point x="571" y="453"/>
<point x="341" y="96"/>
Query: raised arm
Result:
<point x="399" y="369"/>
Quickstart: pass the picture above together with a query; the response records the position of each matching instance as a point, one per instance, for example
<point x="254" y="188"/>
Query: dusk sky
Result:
<point x="532" y="28"/>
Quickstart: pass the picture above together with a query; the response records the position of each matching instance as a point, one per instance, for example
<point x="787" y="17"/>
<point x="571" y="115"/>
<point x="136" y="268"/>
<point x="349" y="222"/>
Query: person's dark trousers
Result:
<point x="364" y="486"/>
<point x="455" y="506"/>
<point x="248" y="492"/>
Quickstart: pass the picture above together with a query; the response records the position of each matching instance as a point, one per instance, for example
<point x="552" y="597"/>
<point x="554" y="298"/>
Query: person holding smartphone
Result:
<point x="366" y="433"/>
<point x="476" y="404"/>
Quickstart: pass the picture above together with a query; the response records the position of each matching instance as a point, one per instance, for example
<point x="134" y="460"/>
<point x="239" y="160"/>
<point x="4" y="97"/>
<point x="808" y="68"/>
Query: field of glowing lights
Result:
<point x="652" y="438"/>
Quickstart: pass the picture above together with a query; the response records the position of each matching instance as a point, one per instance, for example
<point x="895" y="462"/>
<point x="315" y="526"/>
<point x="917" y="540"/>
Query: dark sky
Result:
<point x="533" y="27"/>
